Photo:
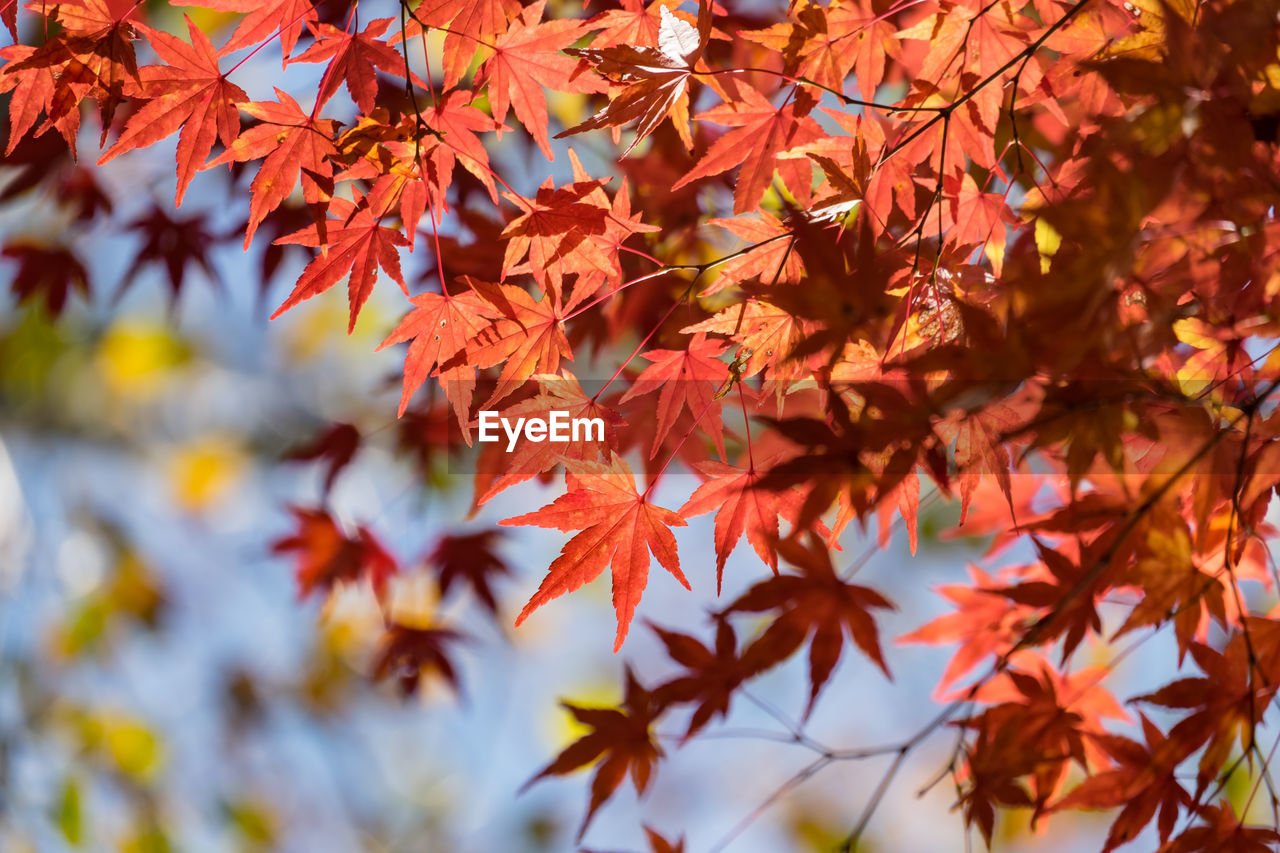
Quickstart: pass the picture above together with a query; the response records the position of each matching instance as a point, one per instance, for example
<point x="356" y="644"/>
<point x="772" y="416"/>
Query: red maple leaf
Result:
<point x="769" y="256"/>
<point x="51" y="272"/>
<point x="620" y="740"/>
<point x="189" y="93"/>
<point x="656" y="79"/>
<point x="457" y="122"/>
<point x="264" y="19"/>
<point x="438" y="328"/>
<point x="1144" y="780"/>
<point x="293" y="144"/>
<point x="761" y="132"/>
<point x="985" y="623"/>
<point x="711" y="677"/>
<point x="741" y="507"/>
<point x="1224" y="832"/>
<point x="469" y="559"/>
<point x="554" y="233"/>
<point x="34" y="87"/>
<point x="337" y="445"/>
<point x="527" y="338"/>
<point x="406" y="652"/>
<point x="353" y="58"/>
<point x="327" y="556"/>
<point x="355" y="243"/>
<point x="686" y="379"/>
<point x="173" y="242"/>
<point x="527" y="57"/>
<point x="815" y="605"/>
<point x="92" y="57"/>
<point x="1227" y="704"/>
<point x="619" y="528"/>
<point x="468" y="25"/>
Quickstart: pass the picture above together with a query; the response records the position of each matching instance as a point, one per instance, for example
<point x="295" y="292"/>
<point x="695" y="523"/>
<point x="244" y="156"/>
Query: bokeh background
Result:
<point x="163" y="687"/>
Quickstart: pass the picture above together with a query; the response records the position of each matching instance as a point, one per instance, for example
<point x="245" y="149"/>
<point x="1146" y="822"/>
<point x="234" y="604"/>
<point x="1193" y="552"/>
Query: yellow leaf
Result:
<point x="1048" y="241"/>
<point x="134" y="357"/>
<point x="135" y="749"/>
<point x="205" y="471"/>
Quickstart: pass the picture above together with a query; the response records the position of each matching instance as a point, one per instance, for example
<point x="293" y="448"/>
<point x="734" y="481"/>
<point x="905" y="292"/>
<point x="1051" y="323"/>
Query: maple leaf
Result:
<point x="468" y="25"/>
<point x="189" y="93"/>
<point x="174" y="242"/>
<point x="1033" y="734"/>
<point x="686" y="379"/>
<point x="406" y="652"/>
<point x="1228" y="704"/>
<point x="526" y="339"/>
<point x="424" y="435"/>
<point x="51" y="272"/>
<point x="438" y="328"/>
<point x="985" y="623"/>
<point x="1074" y="614"/>
<point x="769" y="256"/>
<point x="353" y="58"/>
<point x="527" y="57"/>
<point x="713" y="674"/>
<point x="657" y="78"/>
<point x="355" y="243"/>
<point x="585" y="263"/>
<point x="1144" y="780"/>
<point x="293" y="144"/>
<point x="554" y="233"/>
<point x="1223" y="832"/>
<point x="620" y="527"/>
<point x="741" y="507"/>
<point x="457" y="122"/>
<point x="761" y="131"/>
<point x="1039" y="723"/>
<point x="630" y="25"/>
<point x="816" y="605"/>
<point x="327" y="556"/>
<point x="980" y="454"/>
<point x="265" y="19"/>
<point x="92" y="57"/>
<point x="620" y="740"/>
<point x="768" y="334"/>
<point x="824" y="44"/>
<point x="975" y="218"/>
<point x="1167" y="571"/>
<point x="33" y="90"/>
<point x="469" y="559"/>
<point x="337" y="445"/>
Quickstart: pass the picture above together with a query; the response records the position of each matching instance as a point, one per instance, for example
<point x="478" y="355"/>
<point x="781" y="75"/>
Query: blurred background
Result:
<point x="164" y="686"/>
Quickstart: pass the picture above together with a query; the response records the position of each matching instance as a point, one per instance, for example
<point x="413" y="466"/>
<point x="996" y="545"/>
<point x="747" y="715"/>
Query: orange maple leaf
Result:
<point x="191" y="94"/>
<point x="620" y="527"/>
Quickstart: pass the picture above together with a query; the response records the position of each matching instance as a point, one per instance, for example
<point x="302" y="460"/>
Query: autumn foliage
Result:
<point x="837" y="260"/>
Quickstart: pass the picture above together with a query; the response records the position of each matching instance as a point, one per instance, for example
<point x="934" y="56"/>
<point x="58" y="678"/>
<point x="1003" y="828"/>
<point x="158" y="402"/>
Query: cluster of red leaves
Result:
<point x="1021" y="253"/>
<point x="328" y="556"/>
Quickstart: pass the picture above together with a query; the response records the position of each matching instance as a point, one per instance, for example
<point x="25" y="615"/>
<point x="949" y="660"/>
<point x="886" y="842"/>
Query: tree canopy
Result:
<point x="811" y="269"/>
